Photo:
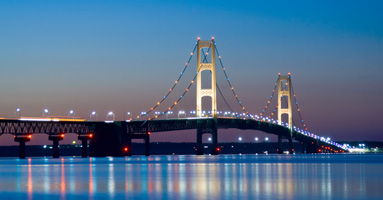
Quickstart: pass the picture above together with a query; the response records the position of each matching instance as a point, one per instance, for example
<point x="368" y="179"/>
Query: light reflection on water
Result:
<point x="194" y="177"/>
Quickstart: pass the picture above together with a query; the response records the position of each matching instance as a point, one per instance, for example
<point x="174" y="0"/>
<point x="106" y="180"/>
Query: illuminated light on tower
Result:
<point x="126" y="149"/>
<point x="202" y="67"/>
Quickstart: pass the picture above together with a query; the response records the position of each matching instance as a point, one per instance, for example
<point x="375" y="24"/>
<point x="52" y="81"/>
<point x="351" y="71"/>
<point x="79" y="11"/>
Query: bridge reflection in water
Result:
<point x="195" y="177"/>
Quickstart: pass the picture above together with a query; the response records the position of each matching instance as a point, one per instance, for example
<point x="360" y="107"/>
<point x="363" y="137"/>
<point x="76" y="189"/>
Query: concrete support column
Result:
<point x="280" y="149"/>
<point x="22" y="139"/>
<point x="84" y="140"/>
<point x="84" y="148"/>
<point x="291" y="150"/>
<point x="216" y="149"/>
<point x="56" y="139"/>
<point x="56" y="149"/>
<point x="22" y="149"/>
<point x="199" y="142"/>
<point x="128" y="150"/>
<point x="147" y="144"/>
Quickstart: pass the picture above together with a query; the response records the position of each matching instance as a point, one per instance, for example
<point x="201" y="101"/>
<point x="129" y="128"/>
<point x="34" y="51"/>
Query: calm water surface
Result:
<point x="194" y="177"/>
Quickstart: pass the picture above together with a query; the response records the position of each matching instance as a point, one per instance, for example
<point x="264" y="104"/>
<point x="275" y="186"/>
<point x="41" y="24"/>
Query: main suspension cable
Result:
<point x="271" y="96"/>
<point x="184" y="93"/>
<point x="172" y="88"/>
<point x="299" y="110"/>
<point x="228" y="81"/>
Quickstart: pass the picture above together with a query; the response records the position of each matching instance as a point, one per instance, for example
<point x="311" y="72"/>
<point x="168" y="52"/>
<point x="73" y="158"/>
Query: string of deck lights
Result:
<point x="228" y="81"/>
<point x="172" y="88"/>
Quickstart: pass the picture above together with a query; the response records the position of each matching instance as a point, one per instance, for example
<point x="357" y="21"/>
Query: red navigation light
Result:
<point x="29" y="136"/>
<point x="198" y="38"/>
<point x="288" y="74"/>
<point x="62" y="135"/>
<point x="218" y="149"/>
<point x="149" y="133"/>
<point x="126" y="149"/>
<point x="320" y="150"/>
<point x="212" y="38"/>
<point x="90" y="135"/>
<point x="293" y="149"/>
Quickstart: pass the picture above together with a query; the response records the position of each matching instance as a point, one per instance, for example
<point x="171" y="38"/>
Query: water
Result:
<point x="194" y="177"/>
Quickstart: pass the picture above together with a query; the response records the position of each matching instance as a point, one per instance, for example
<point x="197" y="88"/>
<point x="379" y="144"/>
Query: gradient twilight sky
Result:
<point x="124" y="55"/>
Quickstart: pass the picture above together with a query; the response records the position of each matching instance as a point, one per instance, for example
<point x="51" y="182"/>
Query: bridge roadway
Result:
<point x="114" y="138"/>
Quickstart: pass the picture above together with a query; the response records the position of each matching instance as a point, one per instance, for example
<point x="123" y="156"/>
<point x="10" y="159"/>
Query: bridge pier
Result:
<point x="147" y="144"/>
<point x="280" y="149"/>
<point x="56" y="139"/>
<point x="291" y="150"/>
<point x="214" y="139"/>
<point x="84" y="140"/>
<point x="209" y="126"/>
<point x="22" y="140"/>
<point x="199" y="142"/>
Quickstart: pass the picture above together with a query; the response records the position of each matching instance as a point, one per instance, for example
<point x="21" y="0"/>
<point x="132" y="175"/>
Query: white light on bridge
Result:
<point x="46" y="112"/>
<point x="110" y="114"/>
<point x="240" y="139"/>
<point x="266" y="139"/>
<point x="93" y="115"/>
<point x="256" y="139"/>
<point x="18" y="113"/>
<point x="209" y="139"/>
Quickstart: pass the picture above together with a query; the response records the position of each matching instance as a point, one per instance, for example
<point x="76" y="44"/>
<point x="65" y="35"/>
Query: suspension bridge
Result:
<point x="114" y="138"/>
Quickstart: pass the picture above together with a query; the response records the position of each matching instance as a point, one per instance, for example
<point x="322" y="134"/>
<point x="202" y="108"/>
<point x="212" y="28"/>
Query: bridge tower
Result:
<point x="284" y="89"/>
<point x="202" y="66"/>
<point x="211" y="125"/>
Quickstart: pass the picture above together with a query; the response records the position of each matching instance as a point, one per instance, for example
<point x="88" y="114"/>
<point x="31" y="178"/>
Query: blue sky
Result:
<point x="124" y="55"/>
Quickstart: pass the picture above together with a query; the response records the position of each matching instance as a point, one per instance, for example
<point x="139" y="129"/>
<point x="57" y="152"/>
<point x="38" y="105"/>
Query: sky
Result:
<point x="123" y="56"/>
